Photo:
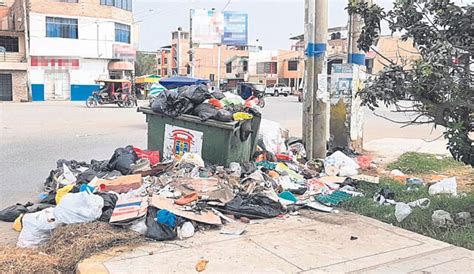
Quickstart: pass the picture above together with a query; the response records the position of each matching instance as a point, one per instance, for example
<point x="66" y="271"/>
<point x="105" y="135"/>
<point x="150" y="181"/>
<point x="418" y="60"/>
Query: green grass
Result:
<point x="414" y="162"/>
<point x="420" y="219"/>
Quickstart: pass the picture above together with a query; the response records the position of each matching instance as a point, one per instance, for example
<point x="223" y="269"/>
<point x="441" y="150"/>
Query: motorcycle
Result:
<point x="113" y="92"/>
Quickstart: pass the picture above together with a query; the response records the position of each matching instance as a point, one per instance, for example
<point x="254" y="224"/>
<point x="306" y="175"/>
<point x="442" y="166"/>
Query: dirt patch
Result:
<point x="68" y="246"/>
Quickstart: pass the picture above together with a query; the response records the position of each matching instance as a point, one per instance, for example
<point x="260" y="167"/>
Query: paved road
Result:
<point x="34" y="136"/>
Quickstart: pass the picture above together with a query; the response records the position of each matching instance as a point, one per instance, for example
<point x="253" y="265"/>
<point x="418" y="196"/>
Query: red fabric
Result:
<point x="153" y="156"/>
<point x="284" y="157"/>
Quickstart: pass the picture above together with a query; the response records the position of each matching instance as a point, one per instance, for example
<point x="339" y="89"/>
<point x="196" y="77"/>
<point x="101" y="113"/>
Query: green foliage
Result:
<point x="441" y="82"/>
<point x="145" y="64"/>
<point x="414" y="162"/>
<point x="419" y="220"/>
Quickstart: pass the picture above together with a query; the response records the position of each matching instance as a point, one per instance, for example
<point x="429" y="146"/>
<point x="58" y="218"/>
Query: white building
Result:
<point x="72" y="43"/>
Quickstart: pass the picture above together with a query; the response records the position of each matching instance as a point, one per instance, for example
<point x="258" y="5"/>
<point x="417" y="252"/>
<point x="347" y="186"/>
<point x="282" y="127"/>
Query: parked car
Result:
<point x="278" y="89"/>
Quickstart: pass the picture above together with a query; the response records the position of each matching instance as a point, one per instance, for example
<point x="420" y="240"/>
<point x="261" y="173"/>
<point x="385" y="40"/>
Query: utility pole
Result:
<point x="355" y="55"/>
<point x="178" y="49"/>
<point x="316" y="96"/>
<point x="219" y="57"/>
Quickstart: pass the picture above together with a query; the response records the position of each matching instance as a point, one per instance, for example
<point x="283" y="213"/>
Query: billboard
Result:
<point x="235" y="28"/>
<point x="207" y="26"/>
<point x="214" y="27"/>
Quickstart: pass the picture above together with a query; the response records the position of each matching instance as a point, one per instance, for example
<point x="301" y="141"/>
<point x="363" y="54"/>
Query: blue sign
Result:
<point x="235" y="28"/>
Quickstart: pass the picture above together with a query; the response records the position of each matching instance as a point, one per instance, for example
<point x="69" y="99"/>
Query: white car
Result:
<point x="278" y="89"/>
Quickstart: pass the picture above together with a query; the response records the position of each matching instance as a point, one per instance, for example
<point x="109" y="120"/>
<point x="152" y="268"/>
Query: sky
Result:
<point x="272" y="22"/>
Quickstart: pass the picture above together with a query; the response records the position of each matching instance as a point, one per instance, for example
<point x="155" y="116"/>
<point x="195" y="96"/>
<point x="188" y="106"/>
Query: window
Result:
<point x="69" y="1"/>
<point x="159" y="61"/>
<point x="61" y="27"/>
<point x="122" y="33"/>
<point x="267" y="68"/>
<point x="228" y="67"/>
<point x="245" y="66"/>
<point x="9" y="43"/>
<point x="165" y="60"/>
<point x="158" y="72"/>
<point x="292" y="65"/>
<point x="211" y="77"/>
<point x="121" y="4"/>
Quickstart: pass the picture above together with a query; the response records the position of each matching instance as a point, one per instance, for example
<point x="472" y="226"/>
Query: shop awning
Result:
<point x="147" y="79"/>
<point x="180" y="81"/>
<point x="120" y="65"/>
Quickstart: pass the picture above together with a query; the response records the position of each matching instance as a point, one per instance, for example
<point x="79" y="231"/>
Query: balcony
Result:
<point x="12" y="61"/>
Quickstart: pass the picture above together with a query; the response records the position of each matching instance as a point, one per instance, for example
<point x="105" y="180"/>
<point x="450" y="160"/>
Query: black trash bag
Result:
<point x="86" y="176"/>
<point x="256" y="206"/>
<point x="99" y="165"/>
<point x="38" y="207"/>
<point x="206" y="111"/>
<point x="218" y="95"/>
<point x="122" y="159"/>
<point x="197" y="94"/>
<point x="180" y="106"/>
<point x="224" y="116"/>
<point x="160" y="104"/>
<point x="155" y="230"/>
<point x="110" y="200"/>
<point x="10" y="213"/>
<point x="72" y="165"/>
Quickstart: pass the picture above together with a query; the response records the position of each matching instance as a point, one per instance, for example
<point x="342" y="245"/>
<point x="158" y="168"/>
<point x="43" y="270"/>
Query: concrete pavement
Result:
<point x="311" y="243"/>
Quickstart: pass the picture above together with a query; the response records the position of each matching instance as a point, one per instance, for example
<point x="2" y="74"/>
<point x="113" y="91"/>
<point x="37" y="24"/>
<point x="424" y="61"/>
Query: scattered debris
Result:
<point x="201" y="265"/>
<point x="442" y="219"/>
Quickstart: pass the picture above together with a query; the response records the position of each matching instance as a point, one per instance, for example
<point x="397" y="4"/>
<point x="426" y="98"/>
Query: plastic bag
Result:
<point x="442" y="219"/>
<point x="218" y="95"/>
<point x="10" y="213"/>
<point x="254" y="206"/>
<point x="446" y="186"/>
<point x="110" y="200"/>
<point x="186" y="231"/>
<point x="402" y="211"/>
<point x="224" y="115"/>
<point x="62" y="192"/>
<point x="206" y="111"/>
<point x="270" y="133"/>
<point x="153" y="156"/>
<point x="68" y="176"/>
<point x="346" y="165"/>
<point x="155" y="230"/>
<point x="197" y="94"/>
<point x="192" y="158"/>
<point x="122" y="159"/>
<point x="421" y="203"/>
<point x="37" y="228"/>
<point x="79" y="208"/>
<point x="139" y="227"/>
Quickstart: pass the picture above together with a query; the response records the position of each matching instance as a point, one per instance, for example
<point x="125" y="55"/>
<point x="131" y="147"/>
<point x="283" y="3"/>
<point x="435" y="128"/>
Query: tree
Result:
<point x="440" y="82"/>
<point x="145" y="64"/>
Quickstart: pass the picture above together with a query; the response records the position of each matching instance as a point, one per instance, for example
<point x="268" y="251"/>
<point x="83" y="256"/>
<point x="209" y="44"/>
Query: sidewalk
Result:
<point x="313" y="243"/>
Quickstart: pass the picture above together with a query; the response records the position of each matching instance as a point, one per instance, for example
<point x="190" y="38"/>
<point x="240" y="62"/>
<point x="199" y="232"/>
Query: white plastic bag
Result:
<point x="186" y="231"/>
<point x="442" y="219"/>
<point x="79" y="208"/>
<point x="68" y="176"/>
<point x="446" y="186"/>
<point x="270" y="133"/>
<point x="37" y="228"/>
<point x="402" y="211"/>
<point x="343" y="163"/>
<point x="192" y="158"/>
<point x="139" y="227"/>
<point x="421" y="203"/>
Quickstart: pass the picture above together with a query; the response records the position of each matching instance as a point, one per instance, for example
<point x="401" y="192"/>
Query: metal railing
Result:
<point x="13" y="57"/>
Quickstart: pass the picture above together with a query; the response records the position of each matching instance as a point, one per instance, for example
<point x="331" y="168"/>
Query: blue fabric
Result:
<point x="82" y="92"/>
<point x="357" y="58"/>
<point x="37" y="92"/>
<point x="315" y="50"/>
<point x="181" y="81"/>
<point x="167" y="218"/>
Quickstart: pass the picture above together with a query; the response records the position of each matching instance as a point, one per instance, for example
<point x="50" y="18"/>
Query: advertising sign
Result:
<point x="214" y="27"/>
<point x="235" y="28"/>
<point x="207" y="26"/>
<point x="124" y="52"/>
<point x="180" y="140"/>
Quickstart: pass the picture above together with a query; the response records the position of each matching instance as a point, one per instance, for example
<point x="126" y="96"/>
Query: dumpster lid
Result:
<point x="194" y="119"/>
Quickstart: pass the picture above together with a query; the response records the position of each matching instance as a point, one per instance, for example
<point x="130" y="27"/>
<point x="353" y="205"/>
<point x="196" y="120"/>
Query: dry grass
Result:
<point x="68" y="246"/>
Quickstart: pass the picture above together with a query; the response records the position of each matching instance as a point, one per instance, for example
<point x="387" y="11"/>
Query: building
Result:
<point x="75" y="42"/>
<point x="13" y="61"/>
<point x="56" y="49"/>
<point x="391" y="47"/>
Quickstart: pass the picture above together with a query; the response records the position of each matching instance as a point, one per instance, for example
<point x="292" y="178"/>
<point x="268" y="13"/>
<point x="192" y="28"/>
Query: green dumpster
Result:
<point x="217" y="142"/>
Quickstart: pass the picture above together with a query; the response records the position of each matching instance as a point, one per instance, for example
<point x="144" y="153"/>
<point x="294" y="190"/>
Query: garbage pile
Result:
<point x="174" y="198"/>
<point x="198" y="101"/>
